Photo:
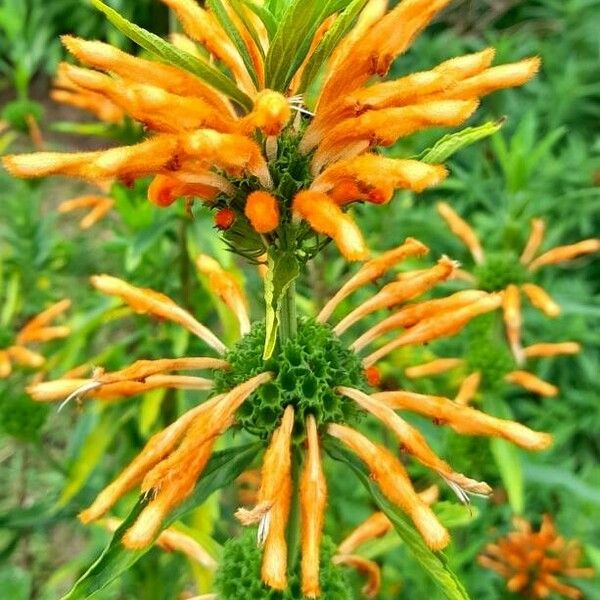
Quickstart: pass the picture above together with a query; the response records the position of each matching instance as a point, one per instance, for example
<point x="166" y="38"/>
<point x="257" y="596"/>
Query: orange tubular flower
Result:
<point x="223" y="284"/>
<point x="39" y="329"/>
<point x="462" y="230"/>
<point x="511" y="305"/>
<point x="99" y="207"/>
<point x="532" y="383"/>
<point x="313" y="500"/>
<point x="166" y="189"/>
<point x="401" y="291"/>
<point x="146" y="301"/>
<point x="391" y="477"/>
<point x="376" y="178"/>
<point x="273" y="508"/>
<point x="197" y="126"/>
<point x="262" y="210"/>
<point x="532" y="561"/>
<point x="326" y="217"/>
<point x="464" y="419"/>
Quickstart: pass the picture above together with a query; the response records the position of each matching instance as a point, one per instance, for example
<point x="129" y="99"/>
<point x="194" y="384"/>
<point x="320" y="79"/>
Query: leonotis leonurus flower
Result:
<point x="280" y="170"/>
<point x="314" y="387"/>
<point x="532" y="561"/>
<point x="262" y="138"/>
<point x="514" y="274"/>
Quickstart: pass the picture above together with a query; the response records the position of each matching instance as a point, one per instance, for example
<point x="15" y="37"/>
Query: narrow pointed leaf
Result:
<point x="174" y="56"/>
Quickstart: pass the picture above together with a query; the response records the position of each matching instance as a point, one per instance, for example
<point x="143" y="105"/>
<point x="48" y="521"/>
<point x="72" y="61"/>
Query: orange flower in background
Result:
<point x="515" y="274"/>
<point x="37" y="330"/>
<point x="214" y="136"/>
<point x="533" y="561"/>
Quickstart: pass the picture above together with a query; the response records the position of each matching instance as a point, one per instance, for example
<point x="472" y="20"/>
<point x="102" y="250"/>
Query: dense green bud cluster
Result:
<point x="238" y="577"/>
<point x="307" y="369"/>
<point x="488" y="352"/>
<point x="499" y="270"/>
<point x="21" y="417"/>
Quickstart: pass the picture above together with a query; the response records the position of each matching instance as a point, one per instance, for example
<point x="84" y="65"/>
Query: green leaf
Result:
<point x="223" y="468"/>
<point x="234" y="35"/>
<point x="144" y="241"/>
<point x="332" y="38"/>
<point x="11" y="301"/>
<point x="294" y="35"/>
<point x="453" y="142"/>
<point x="108" y="422"/>
<point x="15" y="583"/>
<point x="435" y="563"/>
<point x="281" y="273"/>
<point x="264" y="14"/>
<point x="172" y="55"/>
<point x="507" y="458"/>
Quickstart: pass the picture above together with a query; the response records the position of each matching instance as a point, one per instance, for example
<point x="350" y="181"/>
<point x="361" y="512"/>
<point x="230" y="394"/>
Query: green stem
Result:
<point x="288" y="317"/>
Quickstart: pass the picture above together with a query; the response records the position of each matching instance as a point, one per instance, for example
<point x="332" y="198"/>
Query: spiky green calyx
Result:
<point x="499" y="270"/>
<point x="488" y="352"/>
<point x="307" y="368"/>
<point x="238" y="575"/>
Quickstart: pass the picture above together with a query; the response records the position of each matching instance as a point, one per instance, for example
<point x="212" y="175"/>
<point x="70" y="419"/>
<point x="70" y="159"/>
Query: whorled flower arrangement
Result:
<point x="314" y="387"/>
<point x="281" y="171"/>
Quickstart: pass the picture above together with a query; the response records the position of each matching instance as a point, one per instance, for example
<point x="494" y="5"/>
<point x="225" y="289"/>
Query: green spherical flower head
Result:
<point x="307" y="369"/>
<point x="499" y="270"/>
<point x="487" y="351"/>
<point x="21" y="417"/>
<point x="238" y="575"/>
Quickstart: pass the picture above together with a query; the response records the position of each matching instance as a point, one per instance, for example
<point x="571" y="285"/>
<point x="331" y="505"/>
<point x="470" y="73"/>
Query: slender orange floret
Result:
<point x="446" y="324"/>
<point x="464" y="419"/>
<point x="313" y="501"/>
<point x="413" y="442"/>
<point x="411" y="314"/>
<point x="535" y="239"/>
<point x="393" y="480"/>
<point x="462" y="230"/>
<point x="397" y="292"/>
<point x="166" y="189"/>
<point x="368" y="568"/>
<point x="511" y="306"/>
<point x="373" y="269"/>
<point x="377" y="177"/>
<point x="223" y="284"/>
<point x="532" y="383"/>
<point x="262" y="210"/>
<point x="541" y="299"/>
<point x="468" y="388"/>
<point x="565" y="253"/>
<point x="434" y="367"/>
<point x="146" y="301"/>
<point x="532" y="561"/>
<point x="37" y="330"/>
<point x="326" y="217"/>
<point x="99" y="207"/>
<point x="557" y="349"/>
<point x="274" y="565"/>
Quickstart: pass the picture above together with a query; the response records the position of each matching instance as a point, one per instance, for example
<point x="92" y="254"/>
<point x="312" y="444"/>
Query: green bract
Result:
<point x="307" y="369"/>
<point x="499" y="270"/>
<point x="238" y="576"/>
